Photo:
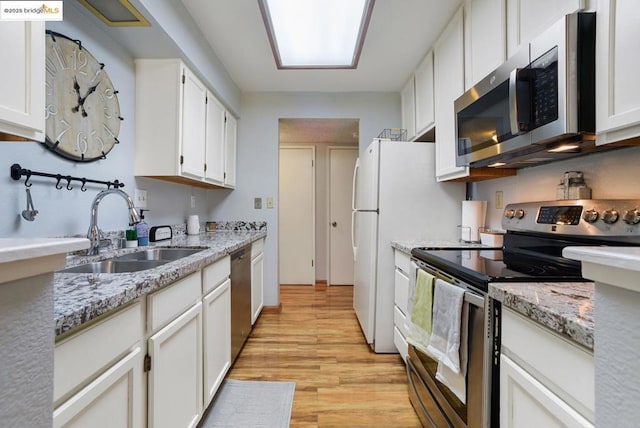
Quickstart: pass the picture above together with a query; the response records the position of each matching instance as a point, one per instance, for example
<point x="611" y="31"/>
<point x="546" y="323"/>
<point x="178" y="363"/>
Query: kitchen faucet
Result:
<point x="95" y="234"/>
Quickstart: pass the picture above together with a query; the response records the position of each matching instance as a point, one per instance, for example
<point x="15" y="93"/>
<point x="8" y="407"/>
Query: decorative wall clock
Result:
<point x="82" y="110"/>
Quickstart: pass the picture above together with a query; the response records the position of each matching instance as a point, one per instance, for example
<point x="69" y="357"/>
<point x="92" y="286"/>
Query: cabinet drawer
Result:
<point x="561" y="366"/>
<point x="400" y="321"/>
<point x="403" y="261"/>
<point x="214" y="274"/>
<point x="401" y="297"/>
<point x="81" y="357"/>
<point x="166" y="304"/>
<point x="401" y="343"/>
<point x="257" y="247"/>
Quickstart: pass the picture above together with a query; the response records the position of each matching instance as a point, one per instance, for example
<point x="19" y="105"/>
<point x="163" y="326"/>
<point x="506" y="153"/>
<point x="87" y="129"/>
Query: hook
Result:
<point x="58" y="186"/>
<point x="69" y="183"/>
<point x="26" y="182"/>
<point x="108" y="185"/>
<point x="84" y="182"/>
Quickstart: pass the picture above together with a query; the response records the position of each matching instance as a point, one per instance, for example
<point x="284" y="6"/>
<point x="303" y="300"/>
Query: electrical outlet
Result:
<point x="193" y="201"/>
<point x="257" y="203"/>
<point x="269" y="202"/>
<point x="140" y="198"/>
<point x="498" y="203"/>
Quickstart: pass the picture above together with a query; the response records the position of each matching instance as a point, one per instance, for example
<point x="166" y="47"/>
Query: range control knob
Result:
<point x="632" y="216"/>
<point x="610" y="216"/>
<point x="509" y="213"/>
<point x="590" y="216"/>
<point x="519" y="214"/>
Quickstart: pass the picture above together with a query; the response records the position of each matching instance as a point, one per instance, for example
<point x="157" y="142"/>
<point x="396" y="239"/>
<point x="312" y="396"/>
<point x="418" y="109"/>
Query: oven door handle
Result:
<point x="474" y="299"/>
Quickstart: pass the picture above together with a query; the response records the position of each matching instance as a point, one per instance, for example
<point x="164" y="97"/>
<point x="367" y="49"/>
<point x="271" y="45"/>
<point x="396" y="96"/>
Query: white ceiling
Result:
<point x="399" y="35"/>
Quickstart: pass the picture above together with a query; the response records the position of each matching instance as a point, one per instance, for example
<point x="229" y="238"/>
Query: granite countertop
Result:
<point x="16" y="249"/>
<point x="79" y="298"/>
<point x="407" y="245"/>
<point x="564" y="307"/>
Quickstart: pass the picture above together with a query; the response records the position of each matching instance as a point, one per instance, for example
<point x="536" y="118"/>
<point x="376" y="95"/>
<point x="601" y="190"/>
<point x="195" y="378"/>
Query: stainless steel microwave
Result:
<point x="538" y="106"/>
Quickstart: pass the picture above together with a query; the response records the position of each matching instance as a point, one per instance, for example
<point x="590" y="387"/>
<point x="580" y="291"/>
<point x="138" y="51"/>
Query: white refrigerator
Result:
<point x="395" y="197"/>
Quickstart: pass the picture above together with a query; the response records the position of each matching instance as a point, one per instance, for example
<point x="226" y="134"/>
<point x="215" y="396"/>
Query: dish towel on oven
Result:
<point x="419" y="308"/>
<point x="447" y="344"/>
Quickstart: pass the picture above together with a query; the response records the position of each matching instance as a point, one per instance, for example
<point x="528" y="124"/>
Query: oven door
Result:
<point x="434" y="403"/>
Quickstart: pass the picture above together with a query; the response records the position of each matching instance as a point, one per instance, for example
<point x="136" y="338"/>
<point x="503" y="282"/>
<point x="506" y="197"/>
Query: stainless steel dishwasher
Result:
<point x="240" y="299"/>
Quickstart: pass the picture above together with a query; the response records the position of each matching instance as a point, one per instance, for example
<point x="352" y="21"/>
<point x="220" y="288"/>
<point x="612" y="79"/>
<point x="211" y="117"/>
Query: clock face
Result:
<point x="82" y="110"/>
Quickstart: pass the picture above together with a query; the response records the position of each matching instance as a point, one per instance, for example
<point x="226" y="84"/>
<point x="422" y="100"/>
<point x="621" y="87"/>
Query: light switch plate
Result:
<point x="257" y="203"/>
<point x="269" y="202"/>
<point x="499" y="203"/>
<point x="140" y="198"/>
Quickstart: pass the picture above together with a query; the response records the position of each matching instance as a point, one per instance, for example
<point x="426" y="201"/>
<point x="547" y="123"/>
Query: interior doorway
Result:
<point x="323" y="135"/>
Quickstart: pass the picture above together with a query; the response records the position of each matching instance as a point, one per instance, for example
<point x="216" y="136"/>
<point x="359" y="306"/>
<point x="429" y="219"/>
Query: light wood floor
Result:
<point x="316" y="342"/>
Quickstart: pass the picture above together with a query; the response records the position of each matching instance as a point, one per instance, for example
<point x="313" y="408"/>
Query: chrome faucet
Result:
<point x="95" y="234"/>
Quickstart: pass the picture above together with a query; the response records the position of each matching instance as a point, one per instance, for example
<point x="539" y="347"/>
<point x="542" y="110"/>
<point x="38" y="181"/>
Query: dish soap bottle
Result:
<point x="142" y="229"/>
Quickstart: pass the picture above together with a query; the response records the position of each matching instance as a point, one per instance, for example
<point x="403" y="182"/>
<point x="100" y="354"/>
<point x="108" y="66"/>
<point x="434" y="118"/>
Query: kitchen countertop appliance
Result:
<point x="537" y="232"/>
<point x="395" y="197"/>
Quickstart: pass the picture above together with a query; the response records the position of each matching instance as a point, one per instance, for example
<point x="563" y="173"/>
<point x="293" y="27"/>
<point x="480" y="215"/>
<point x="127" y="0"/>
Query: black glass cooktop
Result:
<point x="481" y="266"/>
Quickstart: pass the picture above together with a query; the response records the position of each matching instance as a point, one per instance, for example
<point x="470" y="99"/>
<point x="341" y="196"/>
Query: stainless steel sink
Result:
<point x="115" y="266"/>
<point x="165" y="254"/>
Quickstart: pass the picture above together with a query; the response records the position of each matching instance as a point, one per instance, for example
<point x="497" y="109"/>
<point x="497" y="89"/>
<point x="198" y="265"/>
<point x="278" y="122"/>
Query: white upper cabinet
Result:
<point x="181" y="133"/>
<point x="485" y="38"/>
<point x="22" y="79"/>
<point x="448" y="57"/>
<point x="528" y="18"/>
<point x="408" y="105"/>
<point x="424" y="110"/>
<point x="215" y="161"/>
<point x="617" y="89"/>
<point x="230" y="148"/>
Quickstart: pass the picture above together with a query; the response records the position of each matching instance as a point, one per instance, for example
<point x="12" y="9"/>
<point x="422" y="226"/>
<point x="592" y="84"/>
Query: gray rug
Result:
<point x="249" y="404"/>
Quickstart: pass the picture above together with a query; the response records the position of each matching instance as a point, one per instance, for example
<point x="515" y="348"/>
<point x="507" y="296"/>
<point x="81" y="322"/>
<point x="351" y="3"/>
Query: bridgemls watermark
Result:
<point x="30" y="10"/>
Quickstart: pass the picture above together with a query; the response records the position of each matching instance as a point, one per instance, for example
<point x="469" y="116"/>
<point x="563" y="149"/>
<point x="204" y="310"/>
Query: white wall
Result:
<point x="63" y="212"/>
<point x="611" y="175"/>
<point x="258" y="154"/>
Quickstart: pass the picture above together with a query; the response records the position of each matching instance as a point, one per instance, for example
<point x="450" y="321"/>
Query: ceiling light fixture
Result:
<point x="563" y="148"/>
<point x="497" y="164"/>
<point x="316" y="34"/>
<point x="119" y="13"/>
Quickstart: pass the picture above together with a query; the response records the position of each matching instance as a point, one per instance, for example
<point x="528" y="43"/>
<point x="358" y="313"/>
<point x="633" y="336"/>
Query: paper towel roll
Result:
<point x="193" y="225"/>
<point x="473" y="216"/>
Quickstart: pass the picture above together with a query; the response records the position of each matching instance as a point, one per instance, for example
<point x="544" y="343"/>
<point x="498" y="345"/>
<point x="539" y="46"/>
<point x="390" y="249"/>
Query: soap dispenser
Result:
<point x="143" y="230"/>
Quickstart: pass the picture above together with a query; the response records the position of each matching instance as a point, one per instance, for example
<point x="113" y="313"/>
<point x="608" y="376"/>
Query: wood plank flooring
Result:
<point x="316" y="342"/>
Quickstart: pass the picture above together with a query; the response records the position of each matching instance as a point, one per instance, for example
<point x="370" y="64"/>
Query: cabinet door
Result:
<point x="22" y="79"/>
<point x="408" y="100"/>
<point x="194" y="115"/>
<point x="175" y="380"/>
<point x="448" y="58"/>
<point x="485" y="38"/>
<point x="525" y="402"/>
<point x="230" y="137"/>
<point x="114" y="399"/>
<point x="214" y="172"/>
<point x="528" y="18"/>
<point x="617" y="89"/>
<point x="217" y="338"/>
<point x="424" y="95"/>
<point x="257" y="279"/>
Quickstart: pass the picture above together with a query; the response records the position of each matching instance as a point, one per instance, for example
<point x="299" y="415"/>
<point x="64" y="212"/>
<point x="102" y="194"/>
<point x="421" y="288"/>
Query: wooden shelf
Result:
<point x="481" y="174"/>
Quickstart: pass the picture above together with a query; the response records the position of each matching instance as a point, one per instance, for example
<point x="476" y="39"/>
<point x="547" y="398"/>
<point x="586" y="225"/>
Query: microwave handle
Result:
<point x="513" y="102"/>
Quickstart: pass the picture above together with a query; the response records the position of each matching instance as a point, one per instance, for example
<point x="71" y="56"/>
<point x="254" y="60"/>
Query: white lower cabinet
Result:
<point x="545" y="380"/>
<point x="257" y="279"/>
<point x="98" y="373"/>
<point x="217" y="338"/>
<point x="401" y="299"/>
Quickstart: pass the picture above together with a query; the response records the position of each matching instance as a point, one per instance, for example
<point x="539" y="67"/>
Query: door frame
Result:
<point x="313" y="205"/>
<point x="328" y="202"/>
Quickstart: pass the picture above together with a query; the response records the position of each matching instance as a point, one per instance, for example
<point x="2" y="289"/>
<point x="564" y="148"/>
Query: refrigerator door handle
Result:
<point x="353" y="233"/>
<point x="353" y="189"/>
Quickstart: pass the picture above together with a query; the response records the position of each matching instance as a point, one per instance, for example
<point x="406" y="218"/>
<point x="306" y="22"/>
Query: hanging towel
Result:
<point x="444" y="345"/>
<point x="456" y="382"/>
<point x="419" y="308"/>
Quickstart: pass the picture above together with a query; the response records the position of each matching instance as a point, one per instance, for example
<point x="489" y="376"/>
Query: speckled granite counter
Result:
<point x="407" y="246"/>
<point x="79" y="298"/>
<point x="564" y="307"/>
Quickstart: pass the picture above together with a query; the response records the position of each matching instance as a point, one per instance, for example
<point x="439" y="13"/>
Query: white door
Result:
<point x="216" y="327"/>
<point x="341" y="164"/>
<point x="296" y="215"/>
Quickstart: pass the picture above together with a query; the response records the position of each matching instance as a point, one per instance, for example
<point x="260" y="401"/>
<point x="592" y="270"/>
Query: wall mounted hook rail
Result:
<point x="17" y="172"/>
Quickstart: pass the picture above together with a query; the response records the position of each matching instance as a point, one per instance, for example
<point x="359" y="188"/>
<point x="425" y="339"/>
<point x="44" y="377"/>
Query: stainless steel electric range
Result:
<point x="536" y="234"/>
